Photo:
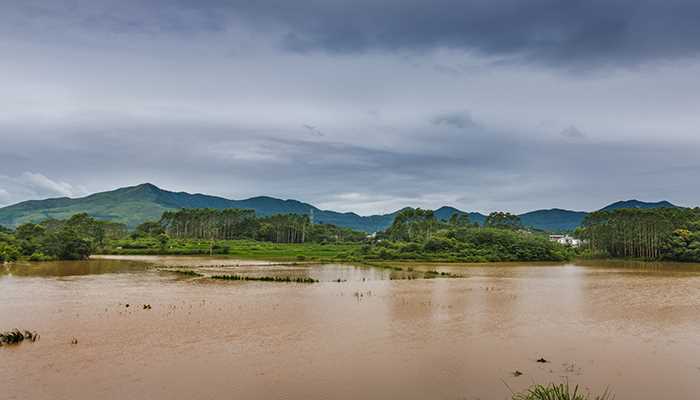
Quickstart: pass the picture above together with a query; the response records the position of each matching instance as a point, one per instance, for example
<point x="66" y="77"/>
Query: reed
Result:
<point x="285" y="279"/>
<point x="562" y="391"/>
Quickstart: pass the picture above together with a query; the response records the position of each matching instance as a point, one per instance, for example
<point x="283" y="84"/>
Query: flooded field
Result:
<point x="359" y="333"/>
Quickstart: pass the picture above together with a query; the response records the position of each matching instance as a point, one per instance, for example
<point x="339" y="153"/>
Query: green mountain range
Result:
<point x="136" y="204"/>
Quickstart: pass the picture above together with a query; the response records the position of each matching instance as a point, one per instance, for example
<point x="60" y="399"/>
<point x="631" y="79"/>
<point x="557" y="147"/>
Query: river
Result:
<point x="357" y="334"/>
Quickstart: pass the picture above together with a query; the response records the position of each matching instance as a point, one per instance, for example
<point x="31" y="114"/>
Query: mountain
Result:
<point x="136" y="204"/>
<point x="638" y="204"/>
<point x="554" y="220"/>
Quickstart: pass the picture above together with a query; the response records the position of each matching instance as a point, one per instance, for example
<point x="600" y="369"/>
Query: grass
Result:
<point x="16" y="336"/>
<point x="562" y="391"/>
<point x="243" y="249"/>
<point x="264" y="278"/>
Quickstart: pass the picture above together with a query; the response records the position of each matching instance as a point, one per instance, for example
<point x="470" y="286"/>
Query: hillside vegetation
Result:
<point x="415" y="234"/>
<point x="134" y="205"/>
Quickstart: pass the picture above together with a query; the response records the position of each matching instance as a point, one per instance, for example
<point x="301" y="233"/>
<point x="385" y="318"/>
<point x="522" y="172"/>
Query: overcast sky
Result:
<point x="362" y="105"/>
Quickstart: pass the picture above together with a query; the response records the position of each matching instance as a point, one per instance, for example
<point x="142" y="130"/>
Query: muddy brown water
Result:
<point x="632" y="327"/>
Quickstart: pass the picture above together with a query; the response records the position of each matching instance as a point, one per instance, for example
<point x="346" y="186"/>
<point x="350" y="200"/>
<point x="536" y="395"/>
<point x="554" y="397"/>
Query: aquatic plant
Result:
<point x="16" y="336"/>
<point x="558" y="392"/>
<point x="264" y="278"/>
<point x="187" y="272"/>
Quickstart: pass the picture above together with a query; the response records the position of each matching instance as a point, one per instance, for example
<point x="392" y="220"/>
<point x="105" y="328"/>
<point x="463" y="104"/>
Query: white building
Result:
<point x="565" y="240"/>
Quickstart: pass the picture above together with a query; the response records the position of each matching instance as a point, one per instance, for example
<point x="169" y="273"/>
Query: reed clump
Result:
<point x="286" y="279"/>
<point x="559" y="392"/>
<point x="16" y="336"/>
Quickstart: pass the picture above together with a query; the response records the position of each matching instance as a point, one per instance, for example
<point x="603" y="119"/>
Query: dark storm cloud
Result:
<point x="357" y="106"/>
<point x="546" y="31"/>
<point x="577" y="32"/>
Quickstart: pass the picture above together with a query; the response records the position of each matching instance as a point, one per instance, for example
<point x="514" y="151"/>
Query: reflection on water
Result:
<point x="629" y="326"/>
<point x="70" y="268"/>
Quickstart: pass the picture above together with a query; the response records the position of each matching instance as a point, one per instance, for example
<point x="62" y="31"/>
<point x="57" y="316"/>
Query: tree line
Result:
<point x="232" y="224"/>
<point x="652" y="234"/>
<point x="72" y="239"/>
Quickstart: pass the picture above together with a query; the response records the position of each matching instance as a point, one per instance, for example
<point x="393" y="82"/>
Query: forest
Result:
<point x="651" y="234"/>
<point x="416" y="234"/>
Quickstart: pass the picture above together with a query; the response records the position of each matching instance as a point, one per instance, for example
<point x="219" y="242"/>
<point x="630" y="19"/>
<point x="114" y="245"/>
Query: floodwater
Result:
<point x="634" y="328"/>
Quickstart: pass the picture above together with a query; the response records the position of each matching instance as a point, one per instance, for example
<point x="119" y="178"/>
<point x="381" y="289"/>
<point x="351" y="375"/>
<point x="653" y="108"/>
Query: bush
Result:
<point x="437" y="244"/>
<point x="8" y="252"/>
<point x="39" y="256"/>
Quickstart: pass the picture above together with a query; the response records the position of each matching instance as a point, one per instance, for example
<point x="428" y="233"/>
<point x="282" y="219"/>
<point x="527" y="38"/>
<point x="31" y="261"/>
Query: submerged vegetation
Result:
<point x="185" y="272"/>
<point x="16" y="336"/>
<point x="264" y="278"/>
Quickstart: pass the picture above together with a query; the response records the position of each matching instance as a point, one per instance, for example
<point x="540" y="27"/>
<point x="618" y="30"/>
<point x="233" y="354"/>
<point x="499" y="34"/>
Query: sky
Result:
<point x="363" y="105"/>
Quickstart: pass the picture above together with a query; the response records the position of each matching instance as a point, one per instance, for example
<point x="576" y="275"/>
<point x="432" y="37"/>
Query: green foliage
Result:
<point x="148" y="228"/>
<point x="558" y="392"/>
<point x="413" y="225"/>
<point x="471" y="244"/>
<point x="460" y="219"/>
<point x="327" y="233"/>
<point x="415" y="235"/>
<point x="503" y="220"/>
<point x="653" y="234"/>
<point x="8" y="252"/>
<point x="244" y="249"/>
<point x="235" y="224"/>
<point x="72" y="239"/>
<point x="66" y="244"/>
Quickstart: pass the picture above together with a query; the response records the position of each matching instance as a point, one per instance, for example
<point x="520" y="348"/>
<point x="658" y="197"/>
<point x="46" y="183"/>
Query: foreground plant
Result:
<point x="558" y="392"/>
<point x="16" y="336"/>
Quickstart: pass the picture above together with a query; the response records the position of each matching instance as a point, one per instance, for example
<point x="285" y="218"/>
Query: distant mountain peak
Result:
<point x="148" y="185"/>
<point x="634" y="203"/>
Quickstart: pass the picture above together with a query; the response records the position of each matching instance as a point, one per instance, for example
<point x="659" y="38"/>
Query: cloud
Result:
<point x="460" y="120"/>
<point x="210" y="97"/>
<point x="313" y="130"/>
<point x="41" y="183"/>
<point x="572" y="132"/>
<point x="549" y="32"/>
<point x="32" y="185"/>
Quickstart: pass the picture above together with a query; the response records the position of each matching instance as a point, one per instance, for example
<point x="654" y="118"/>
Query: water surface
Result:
<point x="632" y="327"/>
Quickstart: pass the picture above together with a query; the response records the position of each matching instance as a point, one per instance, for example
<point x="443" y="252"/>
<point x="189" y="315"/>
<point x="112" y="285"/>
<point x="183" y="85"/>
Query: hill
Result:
<point x="638" y="204"/>
<point x="136" y="204"/>
<point x="554" y="220"/>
